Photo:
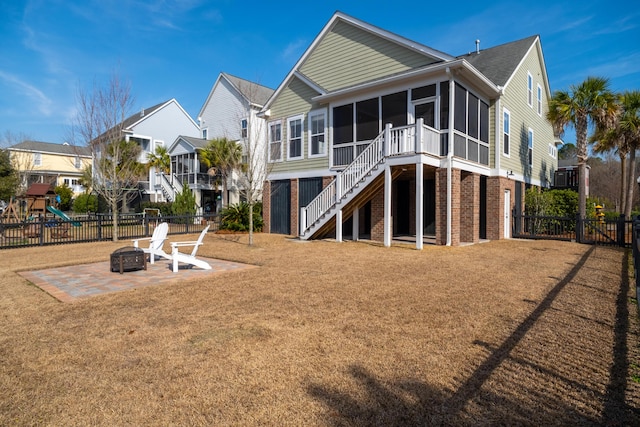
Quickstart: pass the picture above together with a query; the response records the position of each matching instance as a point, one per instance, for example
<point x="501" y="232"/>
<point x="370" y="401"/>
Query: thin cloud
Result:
<point x="292" y="51"/>
<point x="43" y="103"/>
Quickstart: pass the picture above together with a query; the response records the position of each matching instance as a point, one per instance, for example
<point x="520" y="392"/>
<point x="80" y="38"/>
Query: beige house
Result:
<point x="49" y="163"/>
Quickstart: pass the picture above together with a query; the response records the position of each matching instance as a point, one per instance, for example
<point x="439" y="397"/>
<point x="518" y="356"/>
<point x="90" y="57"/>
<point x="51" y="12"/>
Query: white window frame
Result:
<point x="272" y="141"/>
<point x="553" y="151"/>
<point x="37" y="159"/>
<point x="530" y="147"/>
<point x="507" y="132"/>
<point x="539" y="99"/>
<point x="244" y="128"/>
<point x="310" y="134"/>
<point x="299" y="138"/>
<point x="77" y="163"/>
<point x="205" y="133"/>
<point x="529" y="89"/>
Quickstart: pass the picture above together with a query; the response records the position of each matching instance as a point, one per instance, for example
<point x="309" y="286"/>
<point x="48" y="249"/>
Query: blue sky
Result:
<point x="176" y="48"/>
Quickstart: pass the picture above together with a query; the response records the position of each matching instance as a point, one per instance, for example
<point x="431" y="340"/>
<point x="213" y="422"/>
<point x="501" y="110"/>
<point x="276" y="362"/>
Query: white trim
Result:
<point x="304" y="79"/>
<point x="529" y="89"/>
<point x="311" y="173"/>
<point x="310" y="115"/>
<point x="299" y="117"/>
<point x="37" y="158"/>
<point x="508" y="113"/>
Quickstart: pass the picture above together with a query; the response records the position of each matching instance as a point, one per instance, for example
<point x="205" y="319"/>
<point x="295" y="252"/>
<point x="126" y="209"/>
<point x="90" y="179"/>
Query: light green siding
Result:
<point x="295" y="100"/>
<point x="348" y="55"/>
<point x="525" y="117"/>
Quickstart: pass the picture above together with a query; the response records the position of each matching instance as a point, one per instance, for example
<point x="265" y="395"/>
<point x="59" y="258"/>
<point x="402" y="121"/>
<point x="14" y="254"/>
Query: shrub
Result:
<point x="236" y="217"/>
<point x="185" y="204"/>
<point x="85" y="203"/>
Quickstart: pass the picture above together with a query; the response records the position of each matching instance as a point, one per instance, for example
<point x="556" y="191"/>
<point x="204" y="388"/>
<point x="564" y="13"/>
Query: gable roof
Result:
<point x="498" y="63"/>
<point x="194" y="142"/>
<point x="38" y="189"/>
<point x="254" y="93"/>
<point x="338" y="17"/>
<point x="52" y="148"/>
<point x="134" y="119"/>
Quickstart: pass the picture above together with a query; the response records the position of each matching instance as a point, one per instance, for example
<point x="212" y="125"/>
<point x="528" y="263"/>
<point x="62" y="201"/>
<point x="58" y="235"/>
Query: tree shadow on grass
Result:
<point x="411" y="402"/>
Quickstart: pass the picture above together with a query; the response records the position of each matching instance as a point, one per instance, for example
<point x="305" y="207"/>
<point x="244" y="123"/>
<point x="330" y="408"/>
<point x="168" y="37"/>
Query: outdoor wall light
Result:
<point x="509" y="174"/>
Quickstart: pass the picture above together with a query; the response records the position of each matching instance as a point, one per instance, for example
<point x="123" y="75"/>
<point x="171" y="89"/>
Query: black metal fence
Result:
<point x="635" y="249"/>
<point x="617" y="232"/>
<point x="97" y="227"/>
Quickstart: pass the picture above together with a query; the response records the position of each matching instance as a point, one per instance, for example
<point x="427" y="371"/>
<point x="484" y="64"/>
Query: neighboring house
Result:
<point x="159" y="125"/>
<point x="49" y="163"/>
<point x="230" y="111"/>
<point x="372" y="135"/>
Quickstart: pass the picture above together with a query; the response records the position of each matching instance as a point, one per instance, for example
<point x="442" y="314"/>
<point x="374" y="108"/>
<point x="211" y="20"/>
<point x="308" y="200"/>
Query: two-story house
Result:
<point x="372" y="135"/>
<point x="230" y="111"/>
<point x="49" y="163"/>
<point x="153" y="127"/>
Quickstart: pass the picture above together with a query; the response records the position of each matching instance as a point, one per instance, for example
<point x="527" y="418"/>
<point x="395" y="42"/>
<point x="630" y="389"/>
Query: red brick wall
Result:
<point x="495" y="205"/>
<point x="441" y="207"/>
<point x="266" y="207"/>
<point x="377" y="216"/>
<point x="469" y="207"/>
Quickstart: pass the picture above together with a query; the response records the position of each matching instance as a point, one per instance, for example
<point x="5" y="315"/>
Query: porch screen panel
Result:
<point x="343" y="124"/>
<point x="484" y="122"/>
<point x="394" y="109"/>
<point x="460" y="107"/>
<point x="472" y="121"/>
<point x="367" y="120"/>
<point x="444" y="105"/>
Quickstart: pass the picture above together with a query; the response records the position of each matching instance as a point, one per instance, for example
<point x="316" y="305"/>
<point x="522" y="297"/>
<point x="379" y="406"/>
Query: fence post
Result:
<point x="635" y="241"/>
<point x="145" y="222"/>
<point x="579" y="228"/>
<point x="99" y="218"/>
<point x="41" y="221"/>
<point x="620" y="230"/>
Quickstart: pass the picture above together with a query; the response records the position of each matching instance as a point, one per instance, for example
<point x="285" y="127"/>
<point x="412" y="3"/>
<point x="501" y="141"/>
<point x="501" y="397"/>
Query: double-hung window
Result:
<point x="530" y="89"/>
<point x="77" y="163"/>
<point x="37" y="159"/>
<point x="530" y="146"/>
<point x="506" y="130"/>
<point x="539" y="100"/>
<point x="244" y="128"/>
<point x="275" y="141"/>
<point x="294" y="137"/>
<point x="317" y="131"/>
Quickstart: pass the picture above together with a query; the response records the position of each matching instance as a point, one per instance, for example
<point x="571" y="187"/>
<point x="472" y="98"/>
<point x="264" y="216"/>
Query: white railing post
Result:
<point x="303" y="221"/>
<point x="419" y="133"/>
<point x="338" y="187"/>
<point x="387" y="139"/>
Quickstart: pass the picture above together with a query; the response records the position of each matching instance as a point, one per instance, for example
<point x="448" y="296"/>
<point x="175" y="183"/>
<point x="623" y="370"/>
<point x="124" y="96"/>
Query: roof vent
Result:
<point x="477" y="46"/>
<point x="142" y="113"/>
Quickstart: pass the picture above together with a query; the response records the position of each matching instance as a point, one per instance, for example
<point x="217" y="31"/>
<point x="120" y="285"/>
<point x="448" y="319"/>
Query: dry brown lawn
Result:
<point x="329" y="334"/>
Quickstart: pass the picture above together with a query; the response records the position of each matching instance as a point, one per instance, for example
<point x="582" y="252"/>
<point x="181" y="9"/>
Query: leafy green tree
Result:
<point x="224" y="156"/>
<point x="85" y="202"/>
<point x="8" y="177"/>
<point x="589" y="102"/>
<point x="66" y="195"/>
<point x="567" y="151"/>
<point x="185" y="203"/>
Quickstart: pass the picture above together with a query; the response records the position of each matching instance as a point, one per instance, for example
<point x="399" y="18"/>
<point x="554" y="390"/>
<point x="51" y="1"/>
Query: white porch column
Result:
<point x="419" y="135"/>
<point x="419" y="205"/>
<point x="356" y="224"/>
<point x="303" y="221"/>
<point x="387" y="205"/>
<point x="339" y="225"/>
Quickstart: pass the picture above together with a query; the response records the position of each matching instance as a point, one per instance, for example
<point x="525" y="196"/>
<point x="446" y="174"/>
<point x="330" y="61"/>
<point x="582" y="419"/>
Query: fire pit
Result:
<point x="128" y="259"/>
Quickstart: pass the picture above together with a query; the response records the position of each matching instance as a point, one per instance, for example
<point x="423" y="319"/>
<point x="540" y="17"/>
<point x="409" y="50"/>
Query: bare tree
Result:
<point x="99" y="124"/>
<point x="22" y="161"/>
<point x="255" y="168"/>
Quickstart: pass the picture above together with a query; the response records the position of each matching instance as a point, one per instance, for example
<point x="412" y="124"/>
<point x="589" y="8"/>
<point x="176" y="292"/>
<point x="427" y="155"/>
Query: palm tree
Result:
<point x="160" y="160"/>
<point x="590" y="102"/>
<point x="224" y="156"/>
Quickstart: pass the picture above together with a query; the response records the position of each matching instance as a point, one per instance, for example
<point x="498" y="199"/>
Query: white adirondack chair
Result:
<point x="156" y="242"/>
<point x="178" y="257"/>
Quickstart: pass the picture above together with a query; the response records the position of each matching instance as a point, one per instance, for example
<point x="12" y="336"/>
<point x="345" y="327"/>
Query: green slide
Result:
<point x="62" y="215"/>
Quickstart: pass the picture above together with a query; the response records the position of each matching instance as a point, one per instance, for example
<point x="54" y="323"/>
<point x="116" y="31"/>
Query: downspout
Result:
<point x="450" y="154"/>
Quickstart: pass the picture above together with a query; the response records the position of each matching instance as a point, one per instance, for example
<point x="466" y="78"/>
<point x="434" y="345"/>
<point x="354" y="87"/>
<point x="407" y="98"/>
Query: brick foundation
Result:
<point x="496" y="187"/>
<point x="469" y="207"/>
<point x="266" y="207"/>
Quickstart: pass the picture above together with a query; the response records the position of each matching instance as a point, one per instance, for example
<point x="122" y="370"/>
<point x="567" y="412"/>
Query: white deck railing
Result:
<point x="402" y="140"/>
